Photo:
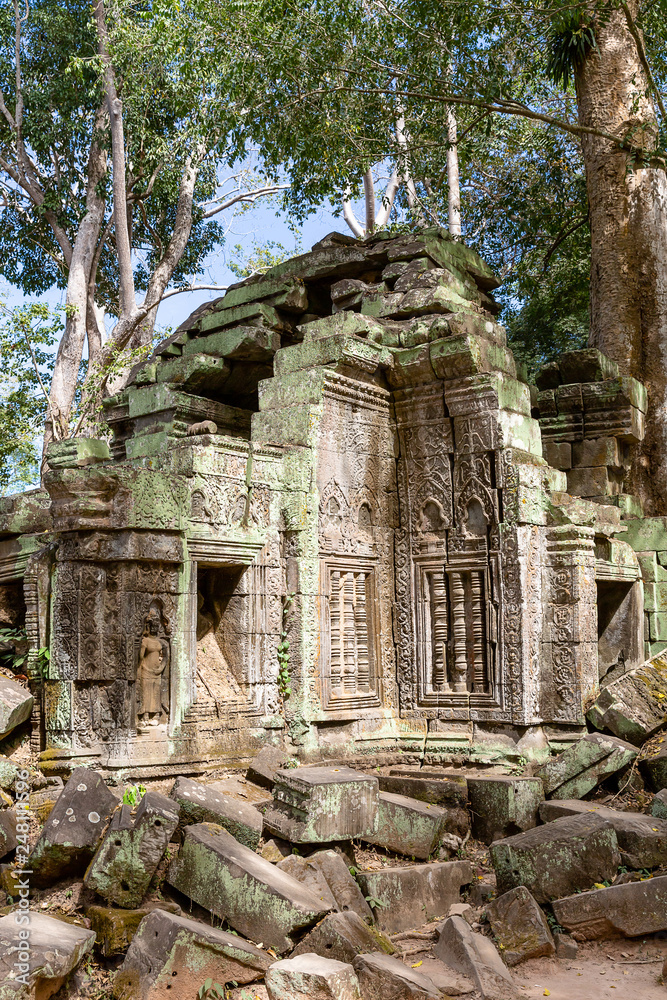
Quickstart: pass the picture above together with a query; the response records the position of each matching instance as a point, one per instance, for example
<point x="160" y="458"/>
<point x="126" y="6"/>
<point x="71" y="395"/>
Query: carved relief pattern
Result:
<point x="562" y="650"/>
<point x="355" y="522"/>
<point x="99" y="615"/>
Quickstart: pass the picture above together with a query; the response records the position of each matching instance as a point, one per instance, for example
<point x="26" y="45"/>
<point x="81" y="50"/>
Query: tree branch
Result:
<point x="127" y="301"/>
<point x="641" y="52"/>
<point x="248" y="196"/>
<point x="369" y="196"/>
<point x="560" y="239"/>
<point x="194" y="288"/>
<point x="350" y="217"/>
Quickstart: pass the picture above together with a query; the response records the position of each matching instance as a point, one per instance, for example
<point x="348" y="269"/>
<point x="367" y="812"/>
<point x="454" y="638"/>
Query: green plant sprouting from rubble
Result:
<point x="211" y="991"/>
<point x="133" y="794"/>
<point x="284" y="679"/>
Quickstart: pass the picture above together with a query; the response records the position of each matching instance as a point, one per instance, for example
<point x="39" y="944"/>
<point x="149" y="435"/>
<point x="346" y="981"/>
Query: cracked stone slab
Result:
<point x="382" y="977"/>
<point x="131" y="850"/>
<point x="55" y="949"/>
<point x="323" y="804"/>
<point x="519" y="926"/>
<point x="569" y="854"/>
<point x="172" y="952"/>
<point x="15" y="705"/>
<point x="310" y="977"/>
<point x="343" y="936"/>
<point x="252" y="895"/>
<point x="203" y="804"/>
<point x="581" y="768"/>
<point x="409" y="897"/>
<point x="476" y="957"/>
<point x="632" y="909"/>
<point x="73" y="830"/>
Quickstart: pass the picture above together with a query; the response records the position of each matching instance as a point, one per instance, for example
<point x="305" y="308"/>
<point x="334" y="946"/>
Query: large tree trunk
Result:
<point x="628" y="215"/>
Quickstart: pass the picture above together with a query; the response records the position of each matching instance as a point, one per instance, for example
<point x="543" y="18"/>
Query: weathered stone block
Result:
<point x="654" y="769"/>
<point x="409" y="897"/>
<point x="634" y="707"/>
<point x="114" y="929"/>
<point x="127" y="858"/>
<point x="43" y="800"/>
<point x="170" y="952"/>
<point x="586" y="365"/>
<point x="15" y="705"/>
<point x="451" y="794"/>
<point x="343" y="936"/>
<point x="503" y="805"/>
<point x="593" y="482"/>
<point x="8" y="839"/>
<point x="382" y="977"/>
<point x="8" y="773"/>
<point x="251" y="894"/>
<point x="263" y="767"/>
<point x="310" y="977"/>
<point x="558" y="454"/>
<point x="597" y="452"/>
<point x="557" y="859"/>
<point x="51" y="951"/>
<point x="642" y="839"/>
<point x="298" y="868"/>
<point x="70" y="836"/>
<point x="631" y="909"/>
<point x="342" y="886"/>
<point x="203" y="804"/>
<point x="476" y="957"/>
<point x="659" y="804"/>
<point x="321" y="804"/>
<point x="578" y="770"/>
<point x="408" y="826"/>
<point x="519" y="926"/>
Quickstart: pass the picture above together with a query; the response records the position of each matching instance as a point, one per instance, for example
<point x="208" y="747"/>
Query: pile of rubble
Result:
<point x="277" y="872"/>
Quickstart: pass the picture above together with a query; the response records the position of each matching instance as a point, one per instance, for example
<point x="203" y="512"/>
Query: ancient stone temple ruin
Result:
<point x="332" y="515"/>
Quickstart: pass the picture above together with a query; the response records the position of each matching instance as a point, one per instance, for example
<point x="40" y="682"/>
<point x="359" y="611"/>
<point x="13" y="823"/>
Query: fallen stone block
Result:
<point x="72" y="832"/>
<point x="42" y="800"/>
<point x="654" y="769"/>
<point x="263" y="767"/>
<point x="566" y="947"/>
<point x="298" y="868"/>
<point x="631" y="909"/>
<point x="275" y="850"/>
<point x="659" y="804"/>
<point x="343" y="936"/>
<point x="8" y="839"/>
<point x="237" y="885"/>
<point x="408" y="826"/>
<point x="346" y="893"/>
<point x="403" y="898"/>
<point x="114" y="929"/>
<point x="323" y="804"/>
<point x="175" y="953"/>
<point x="15" y="705"/>
<point x="502" y="805"/>
<point x="642" y="839"/>
<point x="43" y="953"/>
<point x="634" y="707"/>
<point x="451" y="794"/>
<point x="581" y="768"/>
<point x="202" y="804"/>
<point x="384" y="978"/>
<point x="131" y="850"/>
<point x="476" y="957"/>
<point x="555" y="860"/>
<point x="310" y="977"/>
<point x="8" y="773"/>
<point x="519" y="926"/>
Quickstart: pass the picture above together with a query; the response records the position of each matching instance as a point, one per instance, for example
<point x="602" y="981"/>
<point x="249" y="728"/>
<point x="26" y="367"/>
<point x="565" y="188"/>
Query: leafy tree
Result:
<point x="116" y="122"/>
<point x="27" y="338"/>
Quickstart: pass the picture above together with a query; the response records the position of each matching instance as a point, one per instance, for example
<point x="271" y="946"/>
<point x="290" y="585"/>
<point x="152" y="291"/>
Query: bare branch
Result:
<point x="249" y="196"/>
<point x="641" y="52"/>
<point x="369" y="195"/>
<point x="350" y="217"/>
<point x="194" y="288"/>
<point x="127" y="302"/>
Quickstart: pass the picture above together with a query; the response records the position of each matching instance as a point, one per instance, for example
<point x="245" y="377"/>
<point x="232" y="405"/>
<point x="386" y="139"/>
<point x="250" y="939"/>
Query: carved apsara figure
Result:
<point x="152" y="664"/>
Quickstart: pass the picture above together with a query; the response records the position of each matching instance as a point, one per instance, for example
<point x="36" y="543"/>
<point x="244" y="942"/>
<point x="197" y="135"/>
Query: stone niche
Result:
<point x="332" y="516"/>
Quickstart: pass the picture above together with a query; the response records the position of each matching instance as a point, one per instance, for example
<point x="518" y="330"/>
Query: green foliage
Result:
<point x="28" y="335"/>
<point x="571" y="38"/>
<point x="284" y="678"/>
<point x="375" y="903"/>
<point x="211" y="991"/>
<point x="12" y="658"/>
<point x="133" y="795"/>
